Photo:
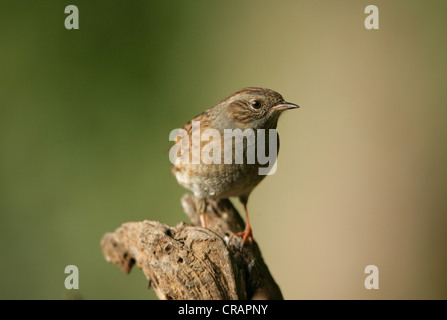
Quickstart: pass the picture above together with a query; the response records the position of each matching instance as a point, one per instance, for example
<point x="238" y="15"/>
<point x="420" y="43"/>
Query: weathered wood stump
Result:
<point x="191" y="262"/>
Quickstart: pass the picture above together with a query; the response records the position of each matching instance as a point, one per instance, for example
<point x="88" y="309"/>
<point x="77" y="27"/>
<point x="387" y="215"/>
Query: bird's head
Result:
<point x="252" y="107"/>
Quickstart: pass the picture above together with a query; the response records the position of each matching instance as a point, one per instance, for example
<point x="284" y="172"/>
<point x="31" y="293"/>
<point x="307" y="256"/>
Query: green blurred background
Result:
<point x="85" y="117"/>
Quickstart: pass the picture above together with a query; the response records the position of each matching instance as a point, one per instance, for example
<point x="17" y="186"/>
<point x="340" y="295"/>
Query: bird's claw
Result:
<point x="246" y="235"/>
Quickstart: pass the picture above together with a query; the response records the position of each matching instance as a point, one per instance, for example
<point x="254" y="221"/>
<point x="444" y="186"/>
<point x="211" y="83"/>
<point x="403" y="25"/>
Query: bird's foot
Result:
<point x="247" y="234"/>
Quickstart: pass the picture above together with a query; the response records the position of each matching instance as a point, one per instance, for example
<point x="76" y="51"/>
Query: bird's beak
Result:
<point x="285" y="106"/>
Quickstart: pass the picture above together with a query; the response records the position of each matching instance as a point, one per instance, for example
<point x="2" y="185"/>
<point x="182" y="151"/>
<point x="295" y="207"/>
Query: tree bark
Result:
<point x="191" y="262"/>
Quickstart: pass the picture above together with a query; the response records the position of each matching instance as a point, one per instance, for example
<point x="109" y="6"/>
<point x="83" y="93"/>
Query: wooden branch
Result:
<point x="191" y="262"/>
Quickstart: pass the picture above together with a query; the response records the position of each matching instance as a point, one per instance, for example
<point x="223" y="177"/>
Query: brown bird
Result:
<point x="249" y="108"/>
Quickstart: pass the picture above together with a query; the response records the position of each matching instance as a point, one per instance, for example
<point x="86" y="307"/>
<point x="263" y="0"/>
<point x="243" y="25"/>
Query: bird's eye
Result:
<point x="256" y="104"/>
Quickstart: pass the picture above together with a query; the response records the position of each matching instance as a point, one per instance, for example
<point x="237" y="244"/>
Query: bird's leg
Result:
<point x="247" y="234"/>
<point x="201" y="210"/>
<point x="203" y="219"/>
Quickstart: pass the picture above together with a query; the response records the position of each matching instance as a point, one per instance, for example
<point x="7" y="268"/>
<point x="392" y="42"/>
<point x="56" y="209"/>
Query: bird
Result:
<point x="248" y="108"/>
